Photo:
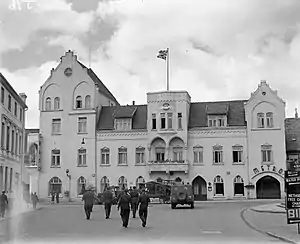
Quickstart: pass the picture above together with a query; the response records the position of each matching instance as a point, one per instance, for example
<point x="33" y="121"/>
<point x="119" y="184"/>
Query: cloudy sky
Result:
<point x="219" y="49"/>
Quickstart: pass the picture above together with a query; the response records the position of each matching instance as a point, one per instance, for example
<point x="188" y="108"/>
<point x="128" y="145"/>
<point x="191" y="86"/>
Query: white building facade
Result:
<point x="12" y="112"/>
<point x="226" y="150"/>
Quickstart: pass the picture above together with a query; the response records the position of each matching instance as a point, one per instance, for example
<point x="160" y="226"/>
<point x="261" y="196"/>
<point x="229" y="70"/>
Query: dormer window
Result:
<point x="123" y="124"/>
<point x="217" y="121"/>
<point x="78" y="102"/>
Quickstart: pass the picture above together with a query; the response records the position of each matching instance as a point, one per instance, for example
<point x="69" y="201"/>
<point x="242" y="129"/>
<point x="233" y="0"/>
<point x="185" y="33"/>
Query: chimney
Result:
<point x="296" y="113"/>
<point x="23" y="97"/>
<point x="133" y="102"/>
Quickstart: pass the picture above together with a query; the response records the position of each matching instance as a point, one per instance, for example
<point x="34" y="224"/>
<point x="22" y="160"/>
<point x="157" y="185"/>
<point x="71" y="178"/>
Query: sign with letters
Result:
<point x="292" y="184"/>
<point x="293" y="216"/>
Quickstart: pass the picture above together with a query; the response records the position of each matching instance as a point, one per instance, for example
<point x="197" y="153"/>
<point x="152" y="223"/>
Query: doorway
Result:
<point x="199" y="189"/>
<point x="268" y="188"/>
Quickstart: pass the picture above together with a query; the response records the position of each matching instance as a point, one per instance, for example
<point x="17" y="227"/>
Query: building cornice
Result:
<point x="207" y="132"/>
<point x="136" y="133"/>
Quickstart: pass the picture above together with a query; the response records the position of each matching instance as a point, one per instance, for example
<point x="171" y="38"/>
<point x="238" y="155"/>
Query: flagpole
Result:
<point x="168" y="68"/>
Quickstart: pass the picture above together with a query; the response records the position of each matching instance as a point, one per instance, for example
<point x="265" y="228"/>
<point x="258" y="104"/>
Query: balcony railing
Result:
<point x="168" y="165"/>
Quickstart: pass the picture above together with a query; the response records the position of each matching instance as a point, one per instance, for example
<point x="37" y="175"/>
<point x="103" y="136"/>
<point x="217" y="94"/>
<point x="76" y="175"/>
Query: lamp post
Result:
<point x="69" y="176"/>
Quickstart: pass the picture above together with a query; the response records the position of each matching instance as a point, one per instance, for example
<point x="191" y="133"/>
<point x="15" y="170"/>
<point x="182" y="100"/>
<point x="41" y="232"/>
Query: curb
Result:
<point x="267" y="211"/>
<point x="266" y="233"/>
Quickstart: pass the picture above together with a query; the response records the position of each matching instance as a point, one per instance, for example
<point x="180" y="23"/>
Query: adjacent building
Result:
<point x="228" y="149"/>
<point x="12" y="112"/>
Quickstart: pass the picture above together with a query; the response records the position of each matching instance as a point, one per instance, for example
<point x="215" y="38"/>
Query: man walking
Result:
<point x="107" y="199"/>
<point x="88" y="198"/>
<point x="124" y="204"/>
<point x="3" y="204"/>
<point x="134" y="200"/>
<point x="143" y="201"/>
<point x="35" y="199"/>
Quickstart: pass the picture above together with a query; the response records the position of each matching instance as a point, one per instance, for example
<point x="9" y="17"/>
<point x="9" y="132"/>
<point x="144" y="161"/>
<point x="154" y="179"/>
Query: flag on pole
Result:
<point x="163" y="54"/>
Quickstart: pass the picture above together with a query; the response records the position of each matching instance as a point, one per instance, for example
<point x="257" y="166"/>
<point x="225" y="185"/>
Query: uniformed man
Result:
<point x="3" y="204"/>
<point x="124" y="204"/>
<point x="134" y="194"/>
<point x="143" y="202"/>
<point x="88" y="198"/>
<point x="107" y="199"/>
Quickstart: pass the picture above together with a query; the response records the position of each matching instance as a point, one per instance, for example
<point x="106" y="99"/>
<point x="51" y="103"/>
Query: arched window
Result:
<point x="55" y="185"/>
<point x="140" y="182"/>
<point x="218" y="186"/>
<point x="88" y="101"/>
<point x="56" y="103"/>
<point x="238" y="185"/>
<point x="78" y="102"/>
<point x="104" y="183"/>
<point x="122" y="183"/>
<point x="48" y="104"/>
<point x="81" y="183"/>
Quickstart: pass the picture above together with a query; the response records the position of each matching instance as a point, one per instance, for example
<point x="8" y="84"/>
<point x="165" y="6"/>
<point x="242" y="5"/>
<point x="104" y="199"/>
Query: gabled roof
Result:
<point x="102" y="88"/>
<point x="235" y="114"/>
<point x="198" y="114"/>
<point x="292" y="134"/>
<point x="139" y="119"/>
<point x="124" y="112"/>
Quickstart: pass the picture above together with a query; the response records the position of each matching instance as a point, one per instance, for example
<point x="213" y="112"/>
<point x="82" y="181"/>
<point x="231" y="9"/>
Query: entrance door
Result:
<point x="200" y="189"/>
<point x="267" y="188"/>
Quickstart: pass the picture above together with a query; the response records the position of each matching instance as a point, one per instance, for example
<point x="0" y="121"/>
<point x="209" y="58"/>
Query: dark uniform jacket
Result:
<point x="88" y="198"/>
<point x="134" y="196"/>
<point x="3" y="201"/>
<point x="108" y="197"/>
<point x="124" y="202"/>
<point x="144" y="200"/>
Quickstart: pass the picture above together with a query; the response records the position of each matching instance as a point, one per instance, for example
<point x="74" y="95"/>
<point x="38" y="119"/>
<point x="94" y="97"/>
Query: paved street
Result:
<point x="209" y="222"/>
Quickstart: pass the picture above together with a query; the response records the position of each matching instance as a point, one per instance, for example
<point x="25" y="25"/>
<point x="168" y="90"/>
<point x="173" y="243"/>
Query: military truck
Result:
<point x="182" y="194"/>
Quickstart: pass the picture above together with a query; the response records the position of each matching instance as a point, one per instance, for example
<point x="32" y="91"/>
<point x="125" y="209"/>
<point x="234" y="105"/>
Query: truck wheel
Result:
<point x="192" y="205"/>
<point x="173" y="206"/>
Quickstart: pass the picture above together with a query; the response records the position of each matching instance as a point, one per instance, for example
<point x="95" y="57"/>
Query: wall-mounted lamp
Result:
<point x="82" y="142"/>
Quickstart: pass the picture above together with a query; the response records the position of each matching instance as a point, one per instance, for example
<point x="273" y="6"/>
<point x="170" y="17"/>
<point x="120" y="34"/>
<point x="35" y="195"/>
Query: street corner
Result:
<point x="274" y="208"/>
<point x="270" y="224"/>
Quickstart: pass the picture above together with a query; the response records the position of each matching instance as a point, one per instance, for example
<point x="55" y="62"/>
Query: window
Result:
<point x="56" y="126"/>
<point x="6" y="178"/>
<point x="81" y="185"/>
<point x="266" y="153"/>
<point x="238" y="184"/>
<point x="122" y="124"/>
<point x="21" y="115"/>
<point x="20" y="144"/>
<point x="2" y="134"/>
<point x="88" y="101"/>
<point x="198" y="155"/>
<point x="104" y="183"/>
<point x="7" y="137"/>
<point x="218" y="186"/>
<point x="105" y="156"/>
<point x="54" y="185"/>
<point x="218" y="154"/>
<point x="237" y="154"/>
<point x="9" y="102"/>
<point x="160" y="154"/>
<point x="122" y="155"/>
<point x="16" y="109"/>
<point x="140" y="182"/>
<point x="153" y="121"/>
<point x="16" y="143"/>
<point x="48" y="104"/>
<point x="2" y="95"/>
<point x="216" y="121"/>
<point x="82" y="125"/>
<point x="10" y="179"/>
<point x="55" y="162"/>
<point x="56" y="103"/>
<point x="170" y="118"/>
<point x="163" y="121"/>
<point x="78" y="102"/>
<point x="178" y="154"/>
<point x="179" y="121"/>
<point x="260" y="120"/>
<point x="12" y="141"/>
<point x="122" y="183"/>
<point x="81" y="157"/>
<point x="269" y="120"/>
<point x="140" y="155"/>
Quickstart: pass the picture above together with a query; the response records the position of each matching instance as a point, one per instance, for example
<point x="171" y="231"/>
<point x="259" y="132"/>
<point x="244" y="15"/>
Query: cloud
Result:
<point x="219" y="49"/>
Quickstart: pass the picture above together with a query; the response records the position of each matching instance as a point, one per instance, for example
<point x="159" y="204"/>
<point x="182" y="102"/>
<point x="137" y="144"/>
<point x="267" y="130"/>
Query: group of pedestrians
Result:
<point x="126" y="201"/>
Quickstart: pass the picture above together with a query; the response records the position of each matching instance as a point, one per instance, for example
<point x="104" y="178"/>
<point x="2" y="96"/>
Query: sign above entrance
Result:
<point x="268" y="168"/>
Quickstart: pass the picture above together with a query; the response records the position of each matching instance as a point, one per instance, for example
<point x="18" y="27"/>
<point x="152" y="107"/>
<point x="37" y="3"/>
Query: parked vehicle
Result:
<point x="159" y="190"/>
<point x="182" y="194"/>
